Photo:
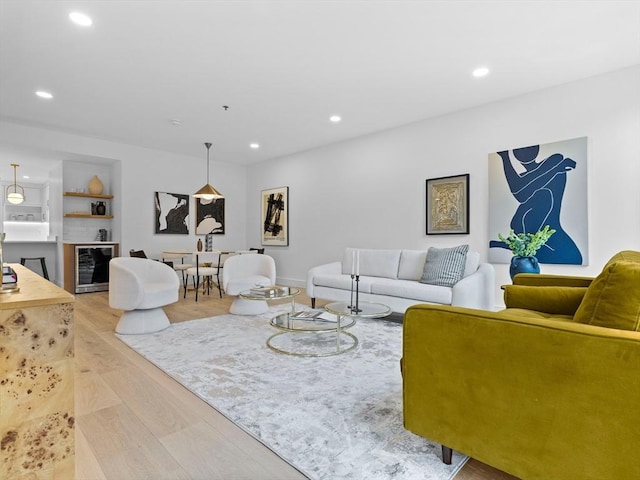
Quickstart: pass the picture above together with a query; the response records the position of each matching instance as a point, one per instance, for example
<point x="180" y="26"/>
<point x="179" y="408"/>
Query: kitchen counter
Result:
<point x="37" y="395"/>
<point x="90" y="243"/>
<point x="20" y="242"/>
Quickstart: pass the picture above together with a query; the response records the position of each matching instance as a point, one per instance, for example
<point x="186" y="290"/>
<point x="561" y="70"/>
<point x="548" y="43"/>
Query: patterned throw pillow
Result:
<point x="444" y="266"/>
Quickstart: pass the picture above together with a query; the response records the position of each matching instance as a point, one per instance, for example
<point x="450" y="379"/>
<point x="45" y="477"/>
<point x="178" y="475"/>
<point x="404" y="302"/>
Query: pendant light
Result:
<point x="12" y="194"/>
<point x="208" y="192"/>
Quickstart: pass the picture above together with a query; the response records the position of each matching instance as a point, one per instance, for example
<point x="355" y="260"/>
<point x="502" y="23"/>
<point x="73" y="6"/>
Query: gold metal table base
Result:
<point x="338" y="347"/>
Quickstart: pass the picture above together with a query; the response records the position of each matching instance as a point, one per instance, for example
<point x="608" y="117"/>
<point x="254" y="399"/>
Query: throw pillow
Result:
<point x="444" y="266"/>
<point x="613" y="299"/>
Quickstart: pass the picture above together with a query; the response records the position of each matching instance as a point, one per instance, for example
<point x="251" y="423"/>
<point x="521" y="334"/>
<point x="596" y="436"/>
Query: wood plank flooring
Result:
<point x="135" y="422"/>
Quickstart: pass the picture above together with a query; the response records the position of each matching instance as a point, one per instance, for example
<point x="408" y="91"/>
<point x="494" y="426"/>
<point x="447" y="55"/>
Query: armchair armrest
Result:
<point x="555" y="300"/>
<point x="549" y="280"/>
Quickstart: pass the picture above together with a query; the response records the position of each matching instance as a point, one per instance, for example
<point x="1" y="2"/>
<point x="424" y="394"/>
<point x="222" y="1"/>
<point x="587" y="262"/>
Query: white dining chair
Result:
<point x="206" y="267"/>
<point x="173" y="257"/>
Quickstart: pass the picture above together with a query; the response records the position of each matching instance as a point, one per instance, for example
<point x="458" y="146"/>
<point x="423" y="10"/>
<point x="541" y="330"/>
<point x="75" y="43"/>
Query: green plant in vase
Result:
<point x="524" y="247"/>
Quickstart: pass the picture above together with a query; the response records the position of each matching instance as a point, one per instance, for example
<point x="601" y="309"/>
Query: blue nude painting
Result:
<point x="538" y="185"/>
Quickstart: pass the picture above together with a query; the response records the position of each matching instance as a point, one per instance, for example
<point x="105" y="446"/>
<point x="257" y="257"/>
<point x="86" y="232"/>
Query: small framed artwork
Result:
<point x="210" y="216"/>
<point x="448" y="205"/>
<point x="275" y="216"/>
<point x="171" y="213"/>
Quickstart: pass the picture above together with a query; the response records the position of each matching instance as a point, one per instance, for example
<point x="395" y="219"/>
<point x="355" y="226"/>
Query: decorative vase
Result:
<point x="199" y="245"/>
<point x="523" y="265"/>
<point x="208" y="243"/>
<point x="95" y="185"/>
<point x="101" y="208"/>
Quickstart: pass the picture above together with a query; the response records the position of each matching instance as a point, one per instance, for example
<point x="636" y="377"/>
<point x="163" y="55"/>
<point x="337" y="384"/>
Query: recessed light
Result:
<point x="80" y="19"/>
<point x="43" y="94"/>
<point x="26" y="177"/>
<point x="254" y="145"/>
<point x="481" y="72"/>
<point x="335" y="118"/>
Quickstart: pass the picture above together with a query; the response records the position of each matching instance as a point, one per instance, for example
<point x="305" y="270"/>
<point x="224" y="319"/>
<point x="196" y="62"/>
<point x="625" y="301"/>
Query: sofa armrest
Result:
<point x="548" y="280"/>
<point x="537" y="398"/>
<point x="476" y="290"/>
<point x="333" y="268"/>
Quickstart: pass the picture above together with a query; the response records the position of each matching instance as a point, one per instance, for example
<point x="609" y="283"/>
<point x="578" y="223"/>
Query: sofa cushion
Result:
<point x="444" y="266"/>
<point x="411" y="264"/>
<point x="373" y="262"/>
<point x="613" y="298"/>
<point x="343" y="282"/>
<point x="509" y="313"/>
<point x="626" y="255"/>
<point x="412" y="290"/>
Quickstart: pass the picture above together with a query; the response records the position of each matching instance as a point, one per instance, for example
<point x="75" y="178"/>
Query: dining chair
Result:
<point x="206" y="267"/>
<point x="172" y="257"/>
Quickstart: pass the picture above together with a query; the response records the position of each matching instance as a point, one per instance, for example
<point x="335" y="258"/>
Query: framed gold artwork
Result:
<point x="447" y="205"/>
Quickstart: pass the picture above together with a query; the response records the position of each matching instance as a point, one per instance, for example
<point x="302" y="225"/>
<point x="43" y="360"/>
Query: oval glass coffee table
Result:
<point x="323" y="335"/>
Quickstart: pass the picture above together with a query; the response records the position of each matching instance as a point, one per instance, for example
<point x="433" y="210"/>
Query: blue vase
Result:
<point x="523" y="265"/>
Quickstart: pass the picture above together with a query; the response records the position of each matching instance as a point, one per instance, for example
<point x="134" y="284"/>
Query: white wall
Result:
<point x="138" y="173"/>
<point x="370" y="192"/>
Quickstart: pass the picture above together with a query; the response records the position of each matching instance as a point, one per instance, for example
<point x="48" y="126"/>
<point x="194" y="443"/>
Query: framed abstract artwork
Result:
<point x="537" y="185"/>
<point x="171" y="213"/>
<point x="447" y="205"/>
<point x="210" y="216"/>
<point x="275" y="216"/>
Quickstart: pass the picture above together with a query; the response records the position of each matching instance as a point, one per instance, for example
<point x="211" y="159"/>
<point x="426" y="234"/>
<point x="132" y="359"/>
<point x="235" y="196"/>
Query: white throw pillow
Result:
<point x="444" y="266"/>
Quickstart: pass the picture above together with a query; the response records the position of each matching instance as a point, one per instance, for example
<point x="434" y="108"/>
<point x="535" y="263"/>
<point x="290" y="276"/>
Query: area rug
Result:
<point x="337" y="417"/>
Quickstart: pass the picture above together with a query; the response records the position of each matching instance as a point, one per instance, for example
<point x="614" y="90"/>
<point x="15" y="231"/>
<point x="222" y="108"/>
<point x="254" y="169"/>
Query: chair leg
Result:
<point x="44" y="268"/>
<point x="313" y="303"/>
<point x="218" y="283"/>
<point x="446" y="455"/>
<point x="196" y="285"/>
<point x="185" y="284"/>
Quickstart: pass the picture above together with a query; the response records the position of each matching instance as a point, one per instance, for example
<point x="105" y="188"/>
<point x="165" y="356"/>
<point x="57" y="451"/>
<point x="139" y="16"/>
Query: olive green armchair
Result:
<point x="548" y="388"/>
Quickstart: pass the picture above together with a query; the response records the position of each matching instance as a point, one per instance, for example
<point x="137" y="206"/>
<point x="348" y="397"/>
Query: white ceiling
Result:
<point x="285" y="66"/>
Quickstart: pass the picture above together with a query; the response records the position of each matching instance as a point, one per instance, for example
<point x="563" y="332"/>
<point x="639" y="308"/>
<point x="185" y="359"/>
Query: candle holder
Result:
<point x="354" y="308"/>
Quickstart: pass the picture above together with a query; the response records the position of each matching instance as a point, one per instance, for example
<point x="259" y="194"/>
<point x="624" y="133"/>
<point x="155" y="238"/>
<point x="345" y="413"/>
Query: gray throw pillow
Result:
<point x="444" y="266"/>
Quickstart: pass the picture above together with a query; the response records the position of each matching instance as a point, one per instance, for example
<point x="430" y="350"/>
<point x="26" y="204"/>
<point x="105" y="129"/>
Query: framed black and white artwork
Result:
<point x="210" y="216"/>
<point x="275" y="216"/>
<point x="172" y="213"/>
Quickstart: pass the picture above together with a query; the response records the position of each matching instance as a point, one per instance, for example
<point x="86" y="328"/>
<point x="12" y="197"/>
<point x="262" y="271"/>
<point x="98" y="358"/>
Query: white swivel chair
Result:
<point x="141" y="287"/>
<point x="243" y="272"/>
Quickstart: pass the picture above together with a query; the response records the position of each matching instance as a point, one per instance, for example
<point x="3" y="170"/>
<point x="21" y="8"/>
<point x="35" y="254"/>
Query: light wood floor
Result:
<point x="134" y="422"/>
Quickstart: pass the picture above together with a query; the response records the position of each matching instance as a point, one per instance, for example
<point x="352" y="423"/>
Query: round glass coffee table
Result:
<point x="323" y="335"/>
<point x="264" y="294"/>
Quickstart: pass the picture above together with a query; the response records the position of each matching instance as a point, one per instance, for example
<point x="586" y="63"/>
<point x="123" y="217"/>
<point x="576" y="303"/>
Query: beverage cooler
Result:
<point x="87" y="266"/>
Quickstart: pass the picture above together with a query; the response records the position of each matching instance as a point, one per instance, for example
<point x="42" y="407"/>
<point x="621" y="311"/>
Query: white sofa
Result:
<point x="392" y="277"/>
